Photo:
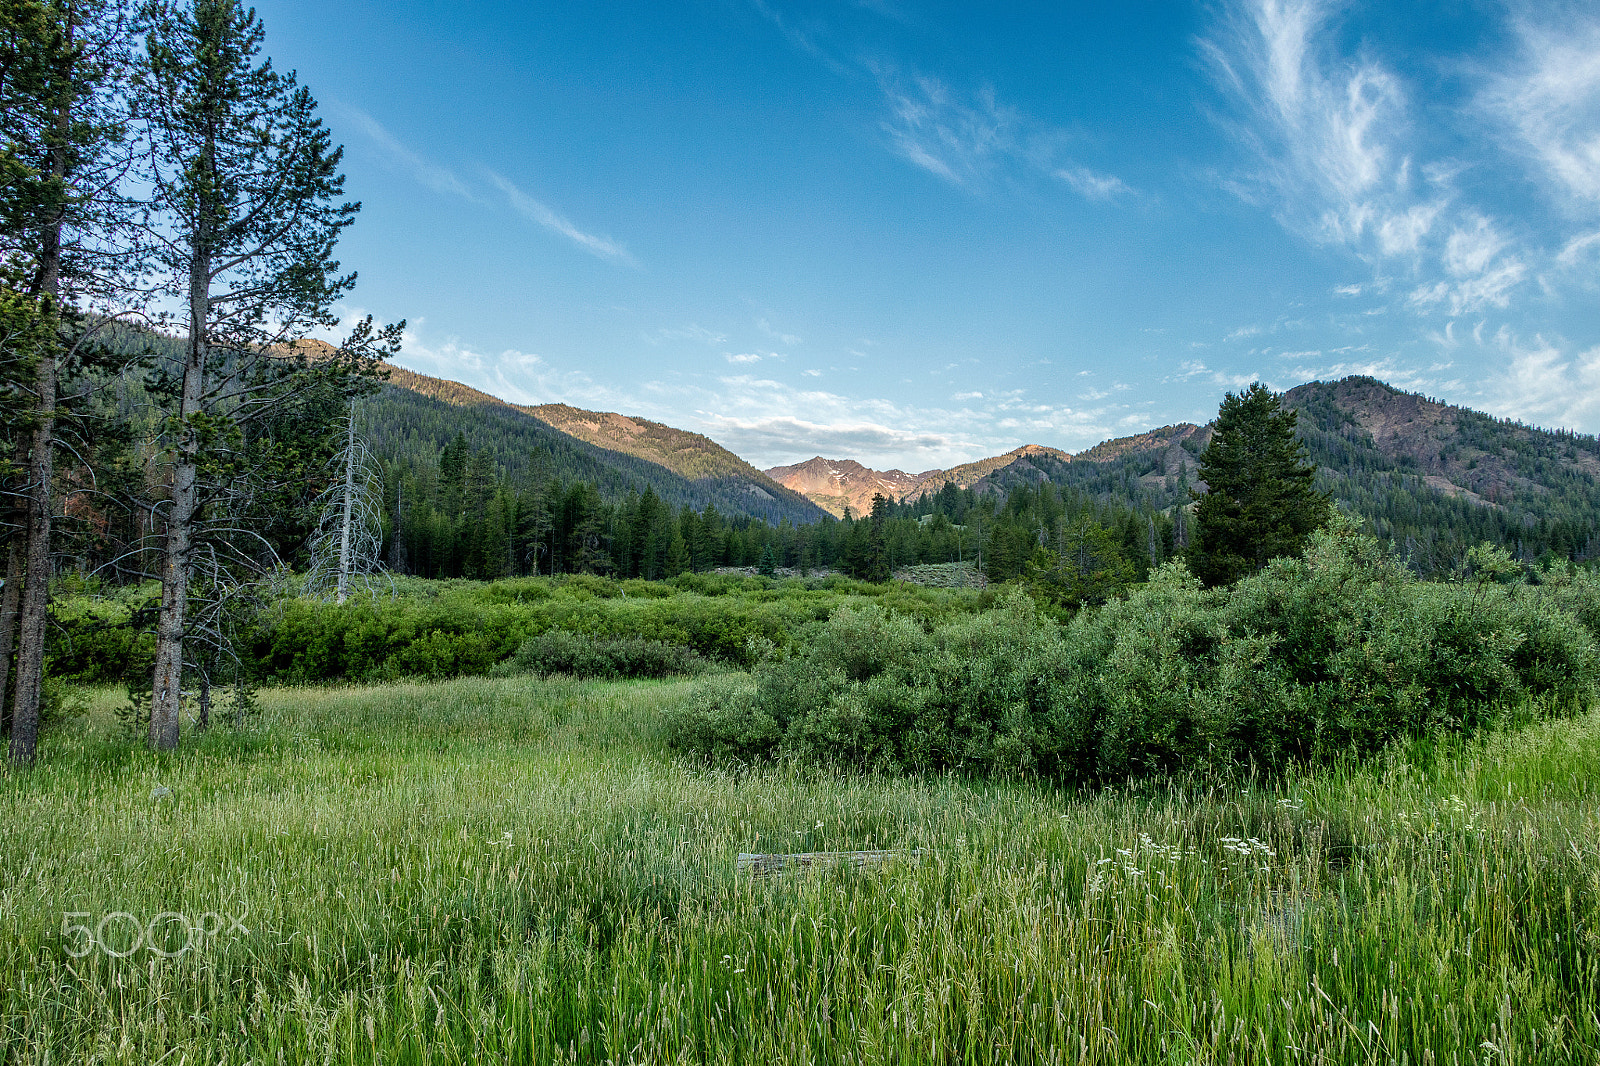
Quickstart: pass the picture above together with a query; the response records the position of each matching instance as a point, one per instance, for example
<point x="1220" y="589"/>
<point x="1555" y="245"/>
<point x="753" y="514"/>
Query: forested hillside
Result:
<point x="1433" y="478"/>
<point x="413" y="417"/>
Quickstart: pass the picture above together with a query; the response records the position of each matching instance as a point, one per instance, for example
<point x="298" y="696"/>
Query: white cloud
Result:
<point x="1324" y="132"/>
<point x="1395" y="372"/>
<point x="1401" y="233"/>
<point x="1333" y="147"/>
<point x="1491" y="289"/>
<point x="1544" y="384"/>
<point x="968" y="141"/>
<point x="757" y="417"/>
<point x="691" y="332"/>
<point x="747" y="357"/>
<point x="1578" y="248"/>
<point x="786" y="339"/>
<point x="520" y="377"/>
<point x="1090" y="185"/>
<point x="1550" y="100"/>
<point x="957" y="141"/>
<point x="535" y="211"/>
<point x="435" y="177"/>
<point x="1471" y="248"/>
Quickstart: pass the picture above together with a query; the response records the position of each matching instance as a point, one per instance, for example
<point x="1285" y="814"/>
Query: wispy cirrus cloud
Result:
<point x="788" y="339"/>
<point x="1334" y="155"/>
<point x="1326" y="132"/>
<point x="692" y="332"/>
<point x="1479" y="275"/>
<point x="956" y="140"/>
<point x="542" y="214"/>
<point x="1549" y="99"/>
<point x="1090" y="185"/>
<point x="970" y="140"/>
<point x="444" y="180"/>
<point x="436" y="177"/>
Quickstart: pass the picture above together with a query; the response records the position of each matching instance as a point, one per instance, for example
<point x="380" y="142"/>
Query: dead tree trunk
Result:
<point x="346" y="519"/>
<point x="34" y="616"/>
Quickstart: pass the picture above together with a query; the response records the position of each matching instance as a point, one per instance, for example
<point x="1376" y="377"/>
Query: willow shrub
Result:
<point x="557" y="651"/>
<point x="1341" y="651"/>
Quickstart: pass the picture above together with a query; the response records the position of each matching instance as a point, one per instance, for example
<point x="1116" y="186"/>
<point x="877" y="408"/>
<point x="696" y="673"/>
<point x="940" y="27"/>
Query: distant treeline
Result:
<point x="483" y="491"/>
<point x="462" y="516"/>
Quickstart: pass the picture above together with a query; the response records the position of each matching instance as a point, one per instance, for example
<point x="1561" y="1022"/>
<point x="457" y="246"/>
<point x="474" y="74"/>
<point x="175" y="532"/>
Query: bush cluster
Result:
<point x="439" y="629"/>
<point x="102" y="639"/>
<point x="556" y="651"/>
<point x="1340" y="651"/>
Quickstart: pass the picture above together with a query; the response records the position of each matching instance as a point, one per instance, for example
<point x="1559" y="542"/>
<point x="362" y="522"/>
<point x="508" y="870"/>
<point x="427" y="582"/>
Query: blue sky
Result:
<point x="915" y="234"/>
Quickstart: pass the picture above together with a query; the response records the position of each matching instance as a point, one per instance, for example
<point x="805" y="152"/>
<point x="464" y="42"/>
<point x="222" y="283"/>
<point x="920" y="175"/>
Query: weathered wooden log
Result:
<point x="767" y="865"/>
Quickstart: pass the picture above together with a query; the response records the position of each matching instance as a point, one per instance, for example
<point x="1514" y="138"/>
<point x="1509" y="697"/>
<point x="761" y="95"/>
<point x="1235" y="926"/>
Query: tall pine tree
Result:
<point x="1259" y="501"/>
<point x="247" y="205"/>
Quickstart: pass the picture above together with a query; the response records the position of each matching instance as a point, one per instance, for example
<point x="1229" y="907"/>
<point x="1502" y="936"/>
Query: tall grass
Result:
<point x="512" y="870"/>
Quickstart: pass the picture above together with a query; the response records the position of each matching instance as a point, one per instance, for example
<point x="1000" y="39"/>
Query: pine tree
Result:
<point x="246" y="204"/>
<point x="1259" y="501"/>
<point x="61" y="62"/>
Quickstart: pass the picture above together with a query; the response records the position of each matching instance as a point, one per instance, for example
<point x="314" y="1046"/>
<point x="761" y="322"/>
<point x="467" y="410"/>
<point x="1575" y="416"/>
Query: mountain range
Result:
<point x="839" y="484"/>
<point x="415" y="413"/>
<point x="1402" y="460"/>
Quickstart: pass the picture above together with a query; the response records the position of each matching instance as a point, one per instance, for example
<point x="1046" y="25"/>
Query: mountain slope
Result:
<point x="415" y="413"/>
<point x="834" y="484"/>
<point x="969" y="474"/>
<point x="1429" y="475"/>
<point x="691" y="455"/>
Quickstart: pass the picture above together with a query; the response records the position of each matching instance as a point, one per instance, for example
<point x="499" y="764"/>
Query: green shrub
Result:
<point x="556" y="651"/>
<point x="874" y="689"/>
<point x="1341" y="651"/>
<point x="97" y="640"/>
<point x="720" y="719"/>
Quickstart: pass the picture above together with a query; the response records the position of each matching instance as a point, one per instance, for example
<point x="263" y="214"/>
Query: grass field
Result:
<point x="514" y="870"/>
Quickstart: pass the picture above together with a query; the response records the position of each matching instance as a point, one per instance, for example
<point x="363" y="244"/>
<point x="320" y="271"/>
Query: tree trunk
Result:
<point x="342" y="589"/>
<point x="167" y="690"/>
<point x="9" y="601"/>
<point x="34" y="618"/>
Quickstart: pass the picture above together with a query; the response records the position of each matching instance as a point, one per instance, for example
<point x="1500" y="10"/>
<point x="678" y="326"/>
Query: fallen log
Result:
<point x="767" y="865"/>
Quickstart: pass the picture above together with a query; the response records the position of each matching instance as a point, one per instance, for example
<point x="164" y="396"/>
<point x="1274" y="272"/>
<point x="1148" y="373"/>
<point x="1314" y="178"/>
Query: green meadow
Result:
<point x="519" y="869"/>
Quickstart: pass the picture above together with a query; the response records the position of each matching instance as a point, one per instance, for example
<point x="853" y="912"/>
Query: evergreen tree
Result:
<point x="61" y="117"/>
<point x="246" y="206"/>
<point x="1259" y="501"/>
